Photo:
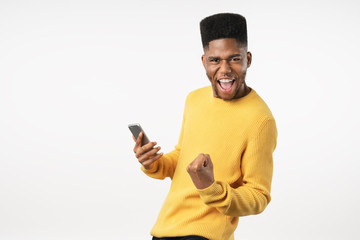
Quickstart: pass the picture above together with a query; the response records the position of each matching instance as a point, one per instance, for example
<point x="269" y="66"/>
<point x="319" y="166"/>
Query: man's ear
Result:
<point x="249" y="59"/>
<point x="203" y="59"/>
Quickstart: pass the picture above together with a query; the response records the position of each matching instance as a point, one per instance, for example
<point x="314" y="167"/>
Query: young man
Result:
<point x="222" y="166"/>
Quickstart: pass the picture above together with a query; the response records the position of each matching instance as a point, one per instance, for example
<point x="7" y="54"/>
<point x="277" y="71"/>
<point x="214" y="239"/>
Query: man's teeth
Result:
<point x="225" y="80"/>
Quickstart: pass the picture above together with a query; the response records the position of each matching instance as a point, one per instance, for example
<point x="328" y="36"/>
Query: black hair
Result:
<point x="223" y="25"/>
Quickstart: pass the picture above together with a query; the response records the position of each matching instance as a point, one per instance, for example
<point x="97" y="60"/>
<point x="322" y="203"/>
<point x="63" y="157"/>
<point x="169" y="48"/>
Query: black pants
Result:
<point x="192" y="237"/>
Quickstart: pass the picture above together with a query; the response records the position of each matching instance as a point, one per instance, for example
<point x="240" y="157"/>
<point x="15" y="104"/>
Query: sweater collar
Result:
<point x="216" y="100"/>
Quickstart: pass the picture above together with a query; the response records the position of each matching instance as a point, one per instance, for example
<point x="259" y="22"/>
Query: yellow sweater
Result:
<point x="240" y="137"/>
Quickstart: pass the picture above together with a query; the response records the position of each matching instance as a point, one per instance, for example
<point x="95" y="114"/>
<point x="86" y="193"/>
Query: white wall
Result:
<point x="73" y="74"/>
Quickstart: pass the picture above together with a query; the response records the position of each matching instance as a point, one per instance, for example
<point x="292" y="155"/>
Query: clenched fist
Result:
<point x="201" y="171"/>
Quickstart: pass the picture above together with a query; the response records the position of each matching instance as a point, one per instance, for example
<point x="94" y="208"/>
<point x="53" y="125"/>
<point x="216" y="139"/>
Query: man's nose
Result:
<point x="225" y="67"/>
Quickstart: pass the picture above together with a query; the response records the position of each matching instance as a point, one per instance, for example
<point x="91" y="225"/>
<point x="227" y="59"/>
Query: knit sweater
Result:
<point x="240" y="137"/>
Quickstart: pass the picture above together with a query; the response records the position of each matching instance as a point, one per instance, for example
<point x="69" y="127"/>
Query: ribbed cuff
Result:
<point x="207" y="194"/>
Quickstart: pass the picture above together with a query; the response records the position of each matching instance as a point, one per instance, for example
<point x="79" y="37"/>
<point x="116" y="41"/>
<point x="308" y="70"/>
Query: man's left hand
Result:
<point x="201" y="171"/>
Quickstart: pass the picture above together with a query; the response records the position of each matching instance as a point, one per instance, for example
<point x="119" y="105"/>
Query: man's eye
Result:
<point x="214" y="60"/>
<point x="236" y="59"/>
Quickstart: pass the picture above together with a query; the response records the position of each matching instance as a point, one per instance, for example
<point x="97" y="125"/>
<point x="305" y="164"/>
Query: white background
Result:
<point x="74" y="74"/>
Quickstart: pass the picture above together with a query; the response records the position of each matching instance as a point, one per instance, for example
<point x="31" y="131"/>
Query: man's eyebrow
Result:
<point x="235" y="55"/>
<point x="231" y="56"/>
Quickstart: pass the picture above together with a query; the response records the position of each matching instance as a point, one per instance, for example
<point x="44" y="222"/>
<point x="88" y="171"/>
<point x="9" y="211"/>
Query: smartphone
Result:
<point x="136" y="129"/>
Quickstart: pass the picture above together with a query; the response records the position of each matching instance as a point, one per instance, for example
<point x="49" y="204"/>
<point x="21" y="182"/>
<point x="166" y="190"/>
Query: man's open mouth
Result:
<point x="226" y="84"/>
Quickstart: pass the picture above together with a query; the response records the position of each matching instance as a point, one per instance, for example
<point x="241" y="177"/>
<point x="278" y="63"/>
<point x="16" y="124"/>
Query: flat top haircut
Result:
<point x="223" y="25"/>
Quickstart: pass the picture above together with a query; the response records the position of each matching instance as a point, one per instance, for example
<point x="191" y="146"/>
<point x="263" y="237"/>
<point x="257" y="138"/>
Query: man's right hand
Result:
<point x="146" y="154"/>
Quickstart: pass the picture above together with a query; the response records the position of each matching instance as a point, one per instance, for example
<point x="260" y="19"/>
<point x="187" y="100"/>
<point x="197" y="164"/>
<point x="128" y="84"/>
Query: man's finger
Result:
<point x="201" y="161"/>
<point x="149" y="154"/>
<point x="138" y="141"/>
<point x="147" y="163"/>
<point x="137" y="144"/>
<point x="148" y="146"/>
<point x="140" y="151"/>
<point x="207" y="160"/>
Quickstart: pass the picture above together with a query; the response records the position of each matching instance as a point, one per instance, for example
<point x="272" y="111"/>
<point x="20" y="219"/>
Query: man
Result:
<point x="222" y="166"/>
